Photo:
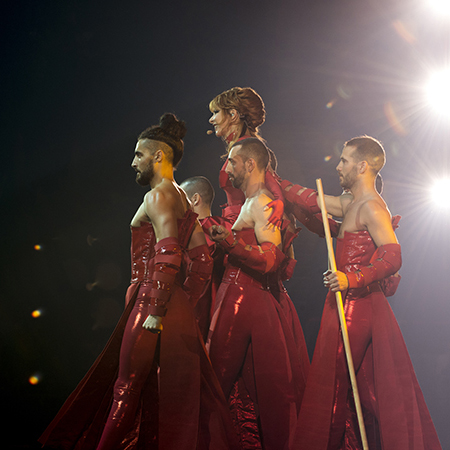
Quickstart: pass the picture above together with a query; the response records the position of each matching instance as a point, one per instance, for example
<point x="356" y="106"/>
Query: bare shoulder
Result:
<point x="375" y="210"/>
<point x="258" y="203"/>
<point x="158" y="201"/>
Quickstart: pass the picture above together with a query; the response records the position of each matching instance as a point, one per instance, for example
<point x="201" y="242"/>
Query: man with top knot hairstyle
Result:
<point x="153" y="385"/>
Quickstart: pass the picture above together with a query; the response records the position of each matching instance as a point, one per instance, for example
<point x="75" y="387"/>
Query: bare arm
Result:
<point x="159" y="208"/>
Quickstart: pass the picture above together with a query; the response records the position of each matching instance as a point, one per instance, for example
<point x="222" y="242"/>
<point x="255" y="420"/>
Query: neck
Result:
<point x="255" y="183"/>
<point x="233" y="133"/>
<point x="363" y="187"/>
<point x="203" y="212"/>
<point x="165" y="172"/>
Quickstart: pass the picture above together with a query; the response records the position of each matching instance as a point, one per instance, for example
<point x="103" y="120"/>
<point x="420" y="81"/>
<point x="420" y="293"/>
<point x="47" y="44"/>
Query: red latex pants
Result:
<point x="136" y="359"/>
<point x="344" y="431"/>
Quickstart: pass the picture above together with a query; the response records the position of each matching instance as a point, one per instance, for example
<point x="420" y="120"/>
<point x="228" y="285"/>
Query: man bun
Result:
<point x="171" y="131"/>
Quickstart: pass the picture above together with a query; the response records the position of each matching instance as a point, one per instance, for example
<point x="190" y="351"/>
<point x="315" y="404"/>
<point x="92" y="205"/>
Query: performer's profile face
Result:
<point x="236" y="169"/>
<point x="143" y="163"/>
<point x="347" y="168"/>
<point x="221" y="120"/>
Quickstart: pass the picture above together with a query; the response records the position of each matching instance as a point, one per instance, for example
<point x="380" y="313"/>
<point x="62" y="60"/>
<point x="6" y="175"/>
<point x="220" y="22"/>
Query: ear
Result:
<point x="251" y="164"/>
<point x="158" y="156"/>
<point x="195" y="199"/>
<point x="363" y="166"/>
<point x="234" y="114"/>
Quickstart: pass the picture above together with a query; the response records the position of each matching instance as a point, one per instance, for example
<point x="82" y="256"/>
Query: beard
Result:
<point x="347" y="181"/>
<point x="237" y="181"/>
<point x="145" y="177"/>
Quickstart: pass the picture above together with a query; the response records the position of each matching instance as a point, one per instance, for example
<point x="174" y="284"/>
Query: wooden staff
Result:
<point x="342" y="321"/>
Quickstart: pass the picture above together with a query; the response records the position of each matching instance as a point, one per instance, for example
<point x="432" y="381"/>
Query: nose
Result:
<point x="228" y="168"/>
<point x="211" y="119"/>
<point x="133" y="163"/>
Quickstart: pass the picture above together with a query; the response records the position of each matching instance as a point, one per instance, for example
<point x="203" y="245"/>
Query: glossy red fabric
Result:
<point x="179" y="407"/>
<point x="254" y="350"/>
<point x="395" y="414"/>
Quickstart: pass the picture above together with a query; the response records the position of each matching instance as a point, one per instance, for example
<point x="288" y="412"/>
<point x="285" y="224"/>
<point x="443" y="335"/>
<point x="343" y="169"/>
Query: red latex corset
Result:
<point x="143" y="243"/>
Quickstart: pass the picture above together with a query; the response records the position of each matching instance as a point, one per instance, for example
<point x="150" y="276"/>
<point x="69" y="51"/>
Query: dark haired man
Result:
<point x="253" y="348"/>
<point x="165" y="394"/>
<point x="201" y="195"/>
<point x="367" y="254"/>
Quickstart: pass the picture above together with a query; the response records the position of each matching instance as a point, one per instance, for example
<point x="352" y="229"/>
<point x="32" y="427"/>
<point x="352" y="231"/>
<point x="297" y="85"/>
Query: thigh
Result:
<point x="358" y="315"/>
<point x="138" y="346"/>
<point x="232" y="335"/>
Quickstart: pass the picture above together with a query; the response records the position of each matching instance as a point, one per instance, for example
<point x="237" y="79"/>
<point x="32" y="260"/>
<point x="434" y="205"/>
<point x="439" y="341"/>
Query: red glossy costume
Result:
<point x="256" y="344"/>
<point x="395" y="414"/>
<point x="166" y="394"/>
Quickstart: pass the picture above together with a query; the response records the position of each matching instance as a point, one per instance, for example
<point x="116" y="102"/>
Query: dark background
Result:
<point x="80" y="79"/>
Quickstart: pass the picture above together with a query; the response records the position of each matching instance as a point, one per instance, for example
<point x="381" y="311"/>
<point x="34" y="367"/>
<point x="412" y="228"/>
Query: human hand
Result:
<point x="218" y="233"/>
<point x="335" y="281"/>
<point x="153" y="324"/>
<point x="276" y="217"/>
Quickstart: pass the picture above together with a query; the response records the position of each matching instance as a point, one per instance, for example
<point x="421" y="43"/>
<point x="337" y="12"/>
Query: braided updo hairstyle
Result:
<point x="247" y="102"/>
<point x="171" y="131"/>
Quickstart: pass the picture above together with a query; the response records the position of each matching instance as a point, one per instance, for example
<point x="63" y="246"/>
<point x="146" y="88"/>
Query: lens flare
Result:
<point x="438" y="92"/>
<point x="439" y="193"/>
<point x="441" y="7"/>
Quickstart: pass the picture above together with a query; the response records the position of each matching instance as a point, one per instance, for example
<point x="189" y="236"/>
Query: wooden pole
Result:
<point x="342" y="321"/>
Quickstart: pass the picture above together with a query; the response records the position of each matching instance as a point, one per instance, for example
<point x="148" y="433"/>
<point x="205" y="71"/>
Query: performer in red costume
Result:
<point x="165" y="393"/>
<point x="200" y="193"/>
<point x="367" y="253"/>
<point x="253" y="345"/>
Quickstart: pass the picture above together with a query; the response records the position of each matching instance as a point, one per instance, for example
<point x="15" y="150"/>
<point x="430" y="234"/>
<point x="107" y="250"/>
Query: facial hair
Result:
<point x="348" y="180"/>
<point x="237" y="180"/>
<point x="145" y="177"/>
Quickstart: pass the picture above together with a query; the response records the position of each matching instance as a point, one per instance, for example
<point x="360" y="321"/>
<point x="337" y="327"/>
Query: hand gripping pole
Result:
<point x="342" y="321"/>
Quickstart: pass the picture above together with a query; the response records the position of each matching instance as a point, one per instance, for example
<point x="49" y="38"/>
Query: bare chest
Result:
<point x="244" y="219"/>
<point x="352" y="221"/>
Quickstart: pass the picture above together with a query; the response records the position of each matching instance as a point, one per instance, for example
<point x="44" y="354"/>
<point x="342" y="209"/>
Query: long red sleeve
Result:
<point x="385" y="262"/>
<point x="264" y="258"/>
<point x="168" y="258"/>
<point x="306" y="208"/>
<point x="199" y="272"/>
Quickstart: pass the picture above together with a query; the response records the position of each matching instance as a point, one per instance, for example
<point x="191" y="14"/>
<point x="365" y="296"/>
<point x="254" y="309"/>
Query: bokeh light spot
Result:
<point x="327" y="158"/>
<point x="35" y="379"/>
<point x="38" y="247"/>
<point x="36" y="313"/>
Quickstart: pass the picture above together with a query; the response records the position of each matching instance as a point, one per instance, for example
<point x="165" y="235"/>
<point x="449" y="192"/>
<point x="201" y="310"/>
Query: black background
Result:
<point x="80" y="80"/>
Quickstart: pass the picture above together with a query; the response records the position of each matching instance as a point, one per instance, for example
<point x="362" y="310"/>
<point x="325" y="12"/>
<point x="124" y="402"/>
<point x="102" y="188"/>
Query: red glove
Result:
<point x="390" y="284"/>
<point x="264" y="258"/>
<point x="168" y="256"/>
<point x="199" y="272"/>
<point x="273" y="186"/>
<point x="386" y="261"/>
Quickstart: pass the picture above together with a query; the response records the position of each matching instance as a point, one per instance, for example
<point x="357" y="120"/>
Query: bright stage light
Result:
<point x="440" y="193"/>
<point x="441" y="6"/>
<point x="438" y="91"/>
